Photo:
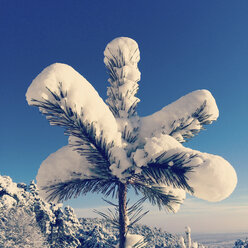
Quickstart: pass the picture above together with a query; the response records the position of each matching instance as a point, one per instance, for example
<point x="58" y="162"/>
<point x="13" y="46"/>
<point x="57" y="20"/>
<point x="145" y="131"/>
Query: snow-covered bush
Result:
<point x="111" y="148"/>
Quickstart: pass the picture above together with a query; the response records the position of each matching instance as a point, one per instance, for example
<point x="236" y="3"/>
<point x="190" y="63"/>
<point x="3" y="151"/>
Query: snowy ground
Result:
<point x="219" y="240"/>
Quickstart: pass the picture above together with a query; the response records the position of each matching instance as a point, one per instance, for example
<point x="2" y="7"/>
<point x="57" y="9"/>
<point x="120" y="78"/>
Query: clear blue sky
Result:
<point x="185" y="45"/>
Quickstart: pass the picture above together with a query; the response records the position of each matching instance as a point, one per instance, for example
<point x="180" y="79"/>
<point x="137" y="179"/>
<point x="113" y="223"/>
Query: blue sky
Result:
<point x="184" y="45"/>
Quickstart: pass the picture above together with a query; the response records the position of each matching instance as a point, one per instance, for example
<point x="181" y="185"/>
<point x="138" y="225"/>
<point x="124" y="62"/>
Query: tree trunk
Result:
<point x="122" y="213"/>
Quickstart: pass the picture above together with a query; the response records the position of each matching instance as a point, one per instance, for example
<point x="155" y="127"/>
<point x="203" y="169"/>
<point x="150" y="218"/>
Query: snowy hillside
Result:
<point x="55" y="226"/>
<point x="50" y="225"/>
<point x="27" y="221"/>
<point x="103" y="231"/>
<point x="221" y="240"/>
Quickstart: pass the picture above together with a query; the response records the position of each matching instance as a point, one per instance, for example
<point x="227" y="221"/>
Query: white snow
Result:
<point x="7" y="184"/>
<point x="85" y="101"/>
<point x="63" y="165"/>
<point x="128" y="72"/>
<point x="121" y="58"/>
<point x="194" y="244"/>
<point x="140" y="157"/>
<point x="180" y="194"/>
<point x="181" y="241"/>
<point x="129" y="49"/>
<point x="213" y="178"/>
<point x="157" y="145"/>
<point x="179" y="111"/>
<point x="132" y="239"/>
<point x="120" y="163"/>
<point x="7" y="202"/>
<point x="187" y="229"/>
<point x="81" y="98"/>
<point x="154" y="147"/>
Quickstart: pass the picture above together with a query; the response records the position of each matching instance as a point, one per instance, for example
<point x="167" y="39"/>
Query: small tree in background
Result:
<point x="111" y="149"/>
<point x="187" y="242"/>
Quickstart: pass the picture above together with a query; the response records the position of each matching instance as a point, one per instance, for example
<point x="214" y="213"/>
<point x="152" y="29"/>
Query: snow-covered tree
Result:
<point x="187" y="241"/>
<point x="188" y="237"/>
<point x="112" y="149"/>
<point x="18" y="228"/>
<point x="59" y="227"/>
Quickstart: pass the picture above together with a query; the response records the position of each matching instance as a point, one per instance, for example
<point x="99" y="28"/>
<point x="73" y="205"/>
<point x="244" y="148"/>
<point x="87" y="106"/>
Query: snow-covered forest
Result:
<point x="26" y="221"/>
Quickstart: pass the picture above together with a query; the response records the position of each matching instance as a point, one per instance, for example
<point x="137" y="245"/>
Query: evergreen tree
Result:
<point x="111" y="149"/>
<point x="24" y="215"/>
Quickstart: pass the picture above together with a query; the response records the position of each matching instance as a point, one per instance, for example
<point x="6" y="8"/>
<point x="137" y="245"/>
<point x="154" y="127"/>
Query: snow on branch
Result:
<point x="163" y="196"/>
<point x="63" y="165"/>
<point x="121" y="57"/>
<point x="76" y="187"/>
<point x="165" y="160"/>
<point x="62" y="85"/>
<point x="82" y="134"/>
<point x="213" y="179"/>
<point x="181" y="119"/>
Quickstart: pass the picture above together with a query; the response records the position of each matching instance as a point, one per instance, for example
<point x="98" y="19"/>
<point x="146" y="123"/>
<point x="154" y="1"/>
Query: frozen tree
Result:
<point x="188" y="237"/>
<point x="112" y="149"/>
<point x="60" y="227"/>
<point x="187" y="242"/>
<point x="18" y="228"/>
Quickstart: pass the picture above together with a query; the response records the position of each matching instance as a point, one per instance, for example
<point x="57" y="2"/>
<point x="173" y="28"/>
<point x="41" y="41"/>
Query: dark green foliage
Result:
<point x="130" y="136"/>
<point x="94" y="149"/>
<point x="160" y="171"/>
<point x="120" y="98"/>
<point x="155" y="195"/>
<point x="66" y="190"/>
<point x="134" y="212"/>
<point x="185" y="123"/>
<point x="116" y="81"/>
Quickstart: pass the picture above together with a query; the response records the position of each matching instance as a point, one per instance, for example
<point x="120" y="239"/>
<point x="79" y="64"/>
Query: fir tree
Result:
<point x="111" y="149"/>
